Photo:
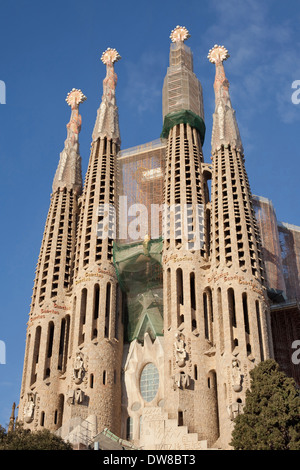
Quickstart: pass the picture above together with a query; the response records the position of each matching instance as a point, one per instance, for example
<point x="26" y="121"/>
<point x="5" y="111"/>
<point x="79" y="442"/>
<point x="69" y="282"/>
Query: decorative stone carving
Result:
<point x="179" y="34"/>
<point x="236" y="375"/>
<point x="225" y="128"/>
<point x="234" y="410"/>
<point x="69" y="168"/>
<point x="107" y="122"/>
<point x="78" y="396"/>
<point x="75" y="396"/>
<point x="78" y="368"/>
<point x="181" y="380"/>
<point x="29" y="407"/>
<point x="180" y="351"/>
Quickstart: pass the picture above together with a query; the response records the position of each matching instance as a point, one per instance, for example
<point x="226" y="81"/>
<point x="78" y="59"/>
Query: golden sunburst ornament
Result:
<point x="110" y="56"/>
<point x="75" y="97"/>
<point x="218" y="54"/>
<point x="179" y="34"/>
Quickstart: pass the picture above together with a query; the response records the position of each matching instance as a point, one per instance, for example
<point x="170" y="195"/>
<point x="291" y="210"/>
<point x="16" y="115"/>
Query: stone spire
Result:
<point x="225" y="129"/>
<point x="185" y="249"/>
<point x="68" y="173"/>
<point x="107" y="121"/>
<point x="182" y="90"/>
<point x="11" y="425"/>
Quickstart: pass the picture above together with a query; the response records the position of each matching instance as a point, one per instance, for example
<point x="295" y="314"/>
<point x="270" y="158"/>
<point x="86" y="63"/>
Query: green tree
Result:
<point x="24" y="439"/>
<point x="271" y="415"/>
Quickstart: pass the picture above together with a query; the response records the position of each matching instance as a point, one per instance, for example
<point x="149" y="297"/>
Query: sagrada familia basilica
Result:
<point x="161" y="281"/>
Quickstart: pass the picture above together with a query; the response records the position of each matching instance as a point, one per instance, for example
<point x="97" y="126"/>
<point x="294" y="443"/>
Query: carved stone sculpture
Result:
<point x="78" y="368"/>
<point x="181" y="380"/>
<point x="75" y="396"/>
<point x="29" y="407"/>
<point x="236" y="375"/>
<point x="180" y="352"/>
<point x="234" y="410"/>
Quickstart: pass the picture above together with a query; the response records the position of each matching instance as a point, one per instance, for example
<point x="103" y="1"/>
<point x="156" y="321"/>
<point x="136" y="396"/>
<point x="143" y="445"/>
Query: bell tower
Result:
<point x="241" y="312"/>
<point x="185" y="248"/>
<point x="94" y="373"/>
<point x="48" y="333"/>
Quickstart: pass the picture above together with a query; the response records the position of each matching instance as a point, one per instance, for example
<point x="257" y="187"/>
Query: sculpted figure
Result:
<point x="78" y="368"/>
<point x="236" y="375"/>
<point x="181" y="380"/>
<point x="180" y="352"/>
<point x="29" y="408"/>
<point x="234" y="410"/>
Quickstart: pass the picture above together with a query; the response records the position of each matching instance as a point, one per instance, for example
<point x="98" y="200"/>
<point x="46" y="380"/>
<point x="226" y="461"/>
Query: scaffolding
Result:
<point x="141" y="183"/>
<point x="289" y="237"/>
<point x="267" y="223"/>
<point x="181" y="88"/>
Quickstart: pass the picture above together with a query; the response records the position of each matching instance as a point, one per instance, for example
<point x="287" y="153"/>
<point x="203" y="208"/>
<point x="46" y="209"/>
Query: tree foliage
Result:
<point x="271" y="415"/>
<point x="24" y="439"/>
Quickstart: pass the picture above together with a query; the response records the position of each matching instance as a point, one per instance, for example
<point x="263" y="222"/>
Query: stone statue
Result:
<point x="75" y="396"/>
<point x="78" y="368"/>
<point x="180" y="352"/>
<point x="29" y="407"/>
<point x="234" y="410"/>
<point x="181" y="380"/>
<point x="236" y="375"/>
<point x="78" y="396"/>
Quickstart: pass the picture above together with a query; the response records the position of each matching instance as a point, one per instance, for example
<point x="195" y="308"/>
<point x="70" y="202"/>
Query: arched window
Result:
<point x="36" y="351"/>
<point x="208" y="314"/>
<point x="180" y="299"/>
<point x="246" y="316"/>
<point x="82" y="315"/>
<point x="63" y="343"/>
<point x="107" y="309"/>
<point x="220" y="313"/>
<point x="258" y="319"/>
<point x="50" y="339"/>
<point x="193" y="300"/>
<point x="96" y="301"/>
<point x="42" y="419"/>
<point x="232" y="317"/>
<point x="129" y="428"/>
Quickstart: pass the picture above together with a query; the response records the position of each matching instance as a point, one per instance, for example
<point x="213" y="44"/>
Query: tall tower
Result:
<point x="186" y="249"/>
<point x="93" y="376"/>
<point x="46" y="354"/>
<point x="241" y="316"/>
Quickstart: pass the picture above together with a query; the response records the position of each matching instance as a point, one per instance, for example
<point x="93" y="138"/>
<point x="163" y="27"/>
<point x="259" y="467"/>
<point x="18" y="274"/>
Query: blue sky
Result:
<point x="47" y="48"/>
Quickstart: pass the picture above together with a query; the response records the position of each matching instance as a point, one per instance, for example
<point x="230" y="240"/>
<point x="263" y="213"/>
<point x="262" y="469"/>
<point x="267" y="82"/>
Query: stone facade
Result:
<point x="207" y="312"/>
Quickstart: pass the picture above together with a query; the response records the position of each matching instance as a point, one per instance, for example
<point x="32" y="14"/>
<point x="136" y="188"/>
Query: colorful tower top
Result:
<point x="182" y="90"/>
<point x="74" y="98"/>
<point x="107" y="121"/>
<point x="225" y="129"/>
<point x="68" y="173"/>
<point x="179" y="34"/>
